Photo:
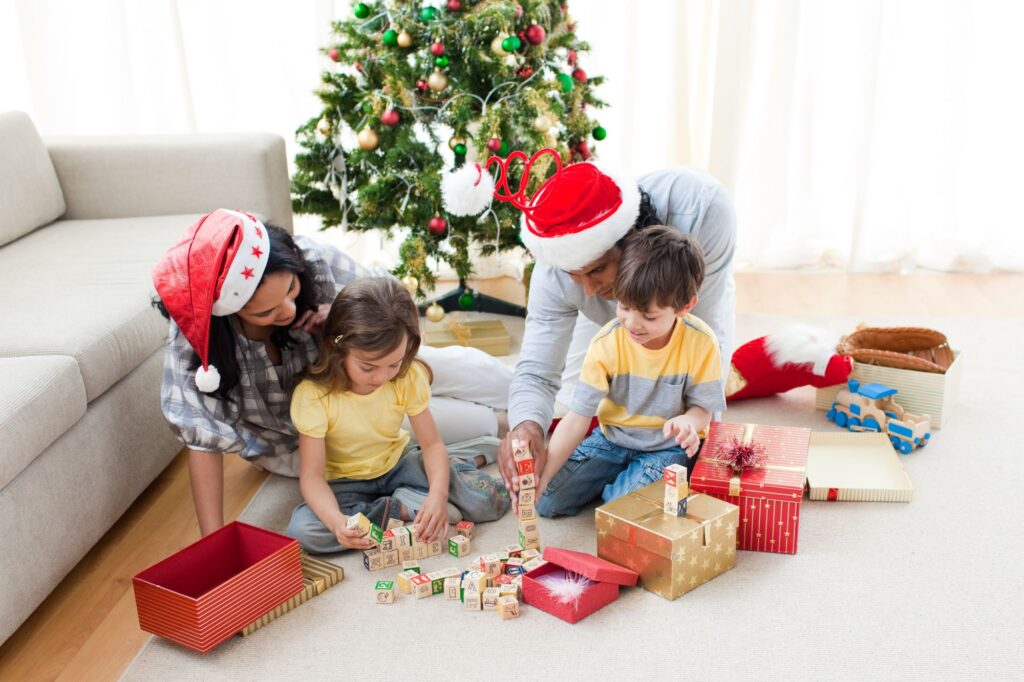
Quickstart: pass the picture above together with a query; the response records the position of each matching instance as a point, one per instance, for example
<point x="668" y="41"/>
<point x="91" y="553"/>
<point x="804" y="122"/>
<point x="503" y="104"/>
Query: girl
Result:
<point x="349" y="412"/>
<point x="250" y="300"/>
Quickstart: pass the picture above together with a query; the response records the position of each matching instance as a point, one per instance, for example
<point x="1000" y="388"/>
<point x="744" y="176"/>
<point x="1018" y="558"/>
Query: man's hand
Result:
<point x="683" y="430"/>
<point x="312" y="321"/>
<point x="532" y="433"/>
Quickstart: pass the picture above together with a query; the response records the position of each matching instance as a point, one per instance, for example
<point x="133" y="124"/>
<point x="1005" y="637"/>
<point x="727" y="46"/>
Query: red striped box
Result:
<point x="769" y="498"/>
<point x="213" y="588"/>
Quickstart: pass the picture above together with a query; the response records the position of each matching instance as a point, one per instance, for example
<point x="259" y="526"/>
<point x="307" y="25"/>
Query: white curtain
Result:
<point x="869" y="135"/>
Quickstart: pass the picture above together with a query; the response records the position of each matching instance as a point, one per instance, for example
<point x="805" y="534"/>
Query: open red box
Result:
<point x="213" y="588"/>
<point x="605" y="578"/>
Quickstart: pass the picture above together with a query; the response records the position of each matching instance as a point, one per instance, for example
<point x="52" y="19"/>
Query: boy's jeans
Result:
<point x="598" y="467"/>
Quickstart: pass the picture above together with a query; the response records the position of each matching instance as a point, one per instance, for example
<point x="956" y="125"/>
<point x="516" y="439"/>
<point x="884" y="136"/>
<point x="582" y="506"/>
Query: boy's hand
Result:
<point x="683" y="431"/>
<point x="432" y="518"/>
<point x="353" y="538"/>
<point x="532" y="433"/>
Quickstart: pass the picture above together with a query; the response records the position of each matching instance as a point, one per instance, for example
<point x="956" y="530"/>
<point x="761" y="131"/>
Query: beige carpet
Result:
<point x="929" y="590"/>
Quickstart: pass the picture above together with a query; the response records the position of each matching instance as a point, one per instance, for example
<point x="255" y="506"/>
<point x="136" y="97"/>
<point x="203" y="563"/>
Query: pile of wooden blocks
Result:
<point x="317" y="576"/>
<point x="676" y="489"/>
<point x="529" y="534"/>
<point x="396" y="545"/>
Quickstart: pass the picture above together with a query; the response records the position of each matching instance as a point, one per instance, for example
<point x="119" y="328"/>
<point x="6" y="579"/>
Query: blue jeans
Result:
<point x="478" y="496"/>
<point x="598" y="467"/>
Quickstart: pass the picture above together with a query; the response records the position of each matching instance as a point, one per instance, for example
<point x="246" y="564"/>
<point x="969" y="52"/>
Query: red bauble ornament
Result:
<point x="454" y="6"/>
<point x="333" y="54"/>
<point x="437" y="225"/>
<point x="390" y="118"/>
<point x="583" y="150"/>
<point x="572" y="57"/>
<point x="494" y="144"/>
<point x="535" y="34"/>
<point x="580" y="75"/>
<point x="437" y="49"/>
<point x="359" y="66"/>
<point x="422" y="85"/>
<point x="525" y="72"/>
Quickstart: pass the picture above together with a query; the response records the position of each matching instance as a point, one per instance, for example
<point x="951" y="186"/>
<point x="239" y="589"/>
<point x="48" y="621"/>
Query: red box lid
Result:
<point x="783" y="478"/>
<point x="590" y="566"/>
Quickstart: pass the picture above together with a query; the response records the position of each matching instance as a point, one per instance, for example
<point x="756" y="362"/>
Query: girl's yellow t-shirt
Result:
<point x="363" y="434"/>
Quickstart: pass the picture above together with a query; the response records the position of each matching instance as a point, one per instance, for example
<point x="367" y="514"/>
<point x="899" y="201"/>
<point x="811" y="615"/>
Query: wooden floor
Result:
<point x="87" y="629"/>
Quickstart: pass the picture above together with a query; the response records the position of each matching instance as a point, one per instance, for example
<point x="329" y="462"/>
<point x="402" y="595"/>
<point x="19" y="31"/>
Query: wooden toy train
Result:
<point x="871" y="407"/>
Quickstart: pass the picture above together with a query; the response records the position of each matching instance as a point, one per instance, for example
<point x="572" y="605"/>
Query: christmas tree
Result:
<point x="416" y="89"/>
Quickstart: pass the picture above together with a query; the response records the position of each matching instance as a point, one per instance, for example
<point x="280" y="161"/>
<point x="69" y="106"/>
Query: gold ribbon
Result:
<point x="458" y="329"/>
<point x="704" y="523"/>
<point x="735" y="479"/>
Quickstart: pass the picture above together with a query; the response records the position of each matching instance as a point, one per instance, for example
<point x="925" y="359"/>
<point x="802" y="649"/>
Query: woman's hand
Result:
<point x="432" y="518"/>
<point x="312" y="321"/>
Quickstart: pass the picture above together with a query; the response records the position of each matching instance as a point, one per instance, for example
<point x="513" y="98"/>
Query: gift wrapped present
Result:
<point x="760" y="469"/>
<point x="572" y="585"/>
<point x="489" y="335"/>
<point x="215" y="587"/>
<point x="672" y="554"/>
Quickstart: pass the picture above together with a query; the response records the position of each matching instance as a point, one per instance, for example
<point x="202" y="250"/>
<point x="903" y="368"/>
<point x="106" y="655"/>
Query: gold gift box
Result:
<point x="672" y="554"/>
<point x="489" y="336"/>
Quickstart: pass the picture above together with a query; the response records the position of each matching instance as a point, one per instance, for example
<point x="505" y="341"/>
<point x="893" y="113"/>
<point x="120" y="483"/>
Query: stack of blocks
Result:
<point x="396" y="546"/>
<point x="529" y="535"/>
<point x="676" y="490"/>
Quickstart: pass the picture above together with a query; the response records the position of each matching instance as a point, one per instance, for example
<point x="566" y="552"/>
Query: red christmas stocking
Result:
<point x="796" y="356"/>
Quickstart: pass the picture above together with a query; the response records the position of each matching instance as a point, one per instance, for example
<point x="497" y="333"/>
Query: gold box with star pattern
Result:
<point x="672" y="554"/>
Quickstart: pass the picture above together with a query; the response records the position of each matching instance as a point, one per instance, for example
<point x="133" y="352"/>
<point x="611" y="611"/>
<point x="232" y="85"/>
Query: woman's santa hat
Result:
<point x="214" y="269"/>
<point x="576" y="216"/>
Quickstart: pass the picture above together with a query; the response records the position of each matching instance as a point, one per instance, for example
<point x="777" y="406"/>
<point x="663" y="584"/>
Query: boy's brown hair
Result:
<point x="372" y="315"/>
<point x="659" y="265"/>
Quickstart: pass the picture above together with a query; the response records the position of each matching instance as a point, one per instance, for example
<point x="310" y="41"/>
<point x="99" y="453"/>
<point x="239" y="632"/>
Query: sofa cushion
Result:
<point x="30" y="195"/>
<point x="42" y="397"/>
<point x="83" y="288"/>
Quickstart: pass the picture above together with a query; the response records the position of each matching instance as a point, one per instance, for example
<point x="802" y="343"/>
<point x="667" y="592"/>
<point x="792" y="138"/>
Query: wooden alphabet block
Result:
<point x="527" y="496"/>
<point x="528" y="481"/>
<point x="509" y="590"/>
<point x="490" y="599"/>
<point x="404" y="581"/>
<point x="521" y="450"/>
<point x="412" y="565"/>
<point x="527" y="512"/>
<point x="436" y="582"/>
<point x="435" y="548"/>
<point x="452" y="588"/>
<point x="508" y="607"/>
<point x="389" y="559"/>
<point x="372" y="560"/>
<point x="514" y="551"/>
<point x="366" y="526"/>
<point x="530" y="554"/>
<point x="421" y="586"/>
<point x="458" y="546"/>
<point x="472" y="600"/>
<point x="465" y="529"/>
<point x="387" y="542"/>
<point x="385" y="590"/>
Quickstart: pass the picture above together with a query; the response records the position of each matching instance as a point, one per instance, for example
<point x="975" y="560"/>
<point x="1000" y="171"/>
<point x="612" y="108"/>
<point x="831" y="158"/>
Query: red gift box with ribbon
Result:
<point x="213" y="588"/>
<point x="597" y="584"/>
<point x="760" y="469"/>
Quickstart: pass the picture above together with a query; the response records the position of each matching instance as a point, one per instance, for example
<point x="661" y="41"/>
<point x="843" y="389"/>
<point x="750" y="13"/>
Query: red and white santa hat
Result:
<point x="577" y="215"/>
<point x="213" y="270"/>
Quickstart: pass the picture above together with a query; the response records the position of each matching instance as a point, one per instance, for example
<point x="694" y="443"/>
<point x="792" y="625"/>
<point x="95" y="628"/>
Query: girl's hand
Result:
<point x="681" y="428"/>
<point x="312" y="321"/>
<point x="432" y="518"/>
<point x="353" y="538"/>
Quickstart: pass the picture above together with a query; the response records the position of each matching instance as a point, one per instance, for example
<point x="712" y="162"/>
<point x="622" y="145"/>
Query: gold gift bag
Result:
<point x="672" y="554"/>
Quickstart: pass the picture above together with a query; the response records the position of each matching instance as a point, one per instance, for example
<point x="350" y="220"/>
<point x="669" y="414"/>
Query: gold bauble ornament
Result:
<point x="324" y="127"/>
<point x="434" y="312"/>
<point x="496" y="47"/>
<point x="550" y="139"/>
<point x="404" y="39"/>
<point x="411" y="284"/>
<point x="456" y="139"/>
<point x="367" y="139"/>
<point x="437" y="81"/>
<point x="542" y="124"/>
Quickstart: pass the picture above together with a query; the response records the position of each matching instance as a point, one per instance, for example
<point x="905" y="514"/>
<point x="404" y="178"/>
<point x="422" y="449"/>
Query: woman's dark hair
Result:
<point x="285" y="256"/>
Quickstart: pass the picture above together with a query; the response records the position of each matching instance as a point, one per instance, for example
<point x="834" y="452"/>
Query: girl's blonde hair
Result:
<point x="372" y="315"/>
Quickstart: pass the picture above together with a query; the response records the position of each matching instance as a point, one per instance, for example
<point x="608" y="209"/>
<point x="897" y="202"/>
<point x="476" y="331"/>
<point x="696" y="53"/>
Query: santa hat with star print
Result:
<point x="577" y="215"/>
<point x="214" y="269"/>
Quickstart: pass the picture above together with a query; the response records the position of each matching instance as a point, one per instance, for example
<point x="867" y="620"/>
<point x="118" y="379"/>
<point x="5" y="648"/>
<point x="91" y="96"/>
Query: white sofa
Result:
<point x="82" y="222"/>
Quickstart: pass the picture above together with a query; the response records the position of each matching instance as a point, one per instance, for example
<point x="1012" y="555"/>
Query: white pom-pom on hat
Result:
<point x="467" y="190"/>
<point x="207" y="379"/>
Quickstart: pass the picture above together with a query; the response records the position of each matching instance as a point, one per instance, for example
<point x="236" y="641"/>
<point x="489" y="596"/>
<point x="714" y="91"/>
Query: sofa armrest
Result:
<point x="128" y="176"/>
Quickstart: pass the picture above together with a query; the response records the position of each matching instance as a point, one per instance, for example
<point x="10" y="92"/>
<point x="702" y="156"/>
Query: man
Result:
<point x="573" y="226"/>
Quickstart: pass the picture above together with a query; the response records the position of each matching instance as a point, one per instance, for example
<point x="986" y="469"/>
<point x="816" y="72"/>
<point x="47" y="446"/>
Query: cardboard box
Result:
<point x="605" y="579"/>
<point x="918" y="392"/>
<point x="769" y="499"/>
<point x="672" y="554"/>
<point x="215" y="587"/>
<point x="856" y="467"/>
<point x="489" y="335"/>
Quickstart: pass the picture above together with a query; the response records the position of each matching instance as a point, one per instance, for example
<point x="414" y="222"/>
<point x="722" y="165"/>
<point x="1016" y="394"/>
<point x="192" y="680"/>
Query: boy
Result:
<point x="653" y="377"/>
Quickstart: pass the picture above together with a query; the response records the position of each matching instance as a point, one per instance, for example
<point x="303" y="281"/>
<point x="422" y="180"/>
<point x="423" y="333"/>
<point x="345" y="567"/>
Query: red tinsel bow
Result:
<point x="742" y="456"/>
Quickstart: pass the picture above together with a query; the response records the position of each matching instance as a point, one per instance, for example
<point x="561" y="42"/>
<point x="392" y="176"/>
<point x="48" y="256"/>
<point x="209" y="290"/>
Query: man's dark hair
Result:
<point x="660" y="265"/>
